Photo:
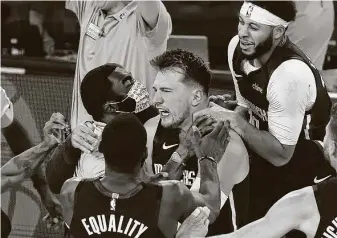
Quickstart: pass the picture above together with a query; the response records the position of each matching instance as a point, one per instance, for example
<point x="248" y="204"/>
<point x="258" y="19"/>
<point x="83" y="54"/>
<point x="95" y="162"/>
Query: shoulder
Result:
<point x="294" y="70"/>
<point x="68" y="190"/>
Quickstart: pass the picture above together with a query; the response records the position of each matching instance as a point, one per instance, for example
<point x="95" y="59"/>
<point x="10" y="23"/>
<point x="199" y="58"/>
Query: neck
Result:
<point x="189" y="120"/>
<point x="120" y="182"/>
<point x="259" y="61"/>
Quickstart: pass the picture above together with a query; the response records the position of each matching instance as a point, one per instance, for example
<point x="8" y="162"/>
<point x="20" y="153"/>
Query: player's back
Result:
<point x="98" y="214"/>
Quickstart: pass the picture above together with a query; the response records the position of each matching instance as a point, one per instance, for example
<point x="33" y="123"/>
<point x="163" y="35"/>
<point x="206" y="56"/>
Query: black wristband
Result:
<point x="208" y="158"/>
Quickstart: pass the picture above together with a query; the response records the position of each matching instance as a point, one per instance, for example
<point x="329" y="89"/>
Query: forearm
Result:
<point x="175" y="166"/>
<point x="61" y="165"/>
<point x="25" y="164"/>
<point x="265" y="145"/>
<point x="210" y="187"/>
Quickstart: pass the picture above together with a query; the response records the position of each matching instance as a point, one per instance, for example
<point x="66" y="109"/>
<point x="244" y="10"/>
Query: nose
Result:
<point x="157" y="98"/>
<point x="242" y="31"/>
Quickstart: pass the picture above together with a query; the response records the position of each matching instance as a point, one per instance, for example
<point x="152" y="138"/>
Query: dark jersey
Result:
<point x="269" y="183"/>
<point x="233" y="213"/>
<point x="317" y="117"/>
<point x="6" y="226"/>
<point x="96" y="214"/>
<point x="165" y="142"/>
<point x="326" y="199"/>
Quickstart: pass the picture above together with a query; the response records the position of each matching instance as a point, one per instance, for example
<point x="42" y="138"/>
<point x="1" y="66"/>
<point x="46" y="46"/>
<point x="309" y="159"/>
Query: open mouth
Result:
<point x="163" y="112"/>
<point x="245" y="44"/>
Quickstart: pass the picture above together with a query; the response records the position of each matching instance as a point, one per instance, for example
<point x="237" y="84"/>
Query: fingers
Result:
<point x="196" y="136"/>
<point x="81" y="143"/>
<point x="223" y="134"/>
<point x="58" y="118"/>
<point x="217" y="129"/>
<point x="201" y="214"/>
<point x="159" y="176"/>
<point x="84" y="139"/>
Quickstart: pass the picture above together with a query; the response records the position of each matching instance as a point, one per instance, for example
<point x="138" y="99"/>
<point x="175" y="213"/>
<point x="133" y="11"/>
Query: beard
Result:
<point x="261" y="48"/>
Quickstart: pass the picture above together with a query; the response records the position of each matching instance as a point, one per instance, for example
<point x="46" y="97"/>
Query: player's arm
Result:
<point x="155" y="21"/>
<point x="64" y="159"/>
<point x="67" y="198"/>
<point x="178" y="202"/>
<point x="25" y="164"/>
<point x="290" y="92"/>
<point x="295" y="211"/>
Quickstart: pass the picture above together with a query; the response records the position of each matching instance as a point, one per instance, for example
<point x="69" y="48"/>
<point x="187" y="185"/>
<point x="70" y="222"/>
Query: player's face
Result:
<point x="330" y="146"/>
<point x="172" y="98"/>
<point x="255" y="39"/>
<point x="121" y="81"/>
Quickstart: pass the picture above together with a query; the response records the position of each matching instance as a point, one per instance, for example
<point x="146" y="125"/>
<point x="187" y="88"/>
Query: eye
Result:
<point x="253" y="27"/>
<point x="166" y="90"/>
<point x="154" y="89"/>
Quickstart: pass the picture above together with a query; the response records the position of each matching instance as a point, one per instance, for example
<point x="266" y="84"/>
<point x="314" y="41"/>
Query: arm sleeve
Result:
<point x="231" y="48"/>
<point x="291" y="91"/>
<point x="80" y="8"/>
<point x="161" y="32"/>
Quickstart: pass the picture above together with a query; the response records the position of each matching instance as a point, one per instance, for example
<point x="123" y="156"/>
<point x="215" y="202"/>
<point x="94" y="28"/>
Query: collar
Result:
<point x="126" y="11"/>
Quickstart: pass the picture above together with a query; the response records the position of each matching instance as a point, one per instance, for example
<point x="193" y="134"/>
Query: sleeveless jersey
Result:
<point x="268" y="183"/>
<point x="326" y="199"/>
<point x="165" y="142"/>
<point x="96" y="214"/>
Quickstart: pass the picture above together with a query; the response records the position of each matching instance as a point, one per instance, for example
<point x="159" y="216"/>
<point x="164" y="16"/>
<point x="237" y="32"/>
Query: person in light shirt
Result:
<point x="129" y="33"/>
<point x="287" y="105"/>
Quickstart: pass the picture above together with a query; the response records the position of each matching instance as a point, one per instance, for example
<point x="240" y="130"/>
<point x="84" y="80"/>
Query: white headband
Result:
<point x="260" y="15"/>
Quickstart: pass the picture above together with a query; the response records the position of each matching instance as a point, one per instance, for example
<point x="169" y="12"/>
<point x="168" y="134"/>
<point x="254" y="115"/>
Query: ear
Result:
<point x="197" y="96"/>
<point x="332" y="149"/>
<point x="278" y="32"/>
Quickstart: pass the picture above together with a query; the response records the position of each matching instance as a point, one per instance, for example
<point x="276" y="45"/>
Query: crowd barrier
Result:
<point x="37" y="88"/>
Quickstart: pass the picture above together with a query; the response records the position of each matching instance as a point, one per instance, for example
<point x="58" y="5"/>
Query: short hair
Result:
<point x="283" y="9"/>
<point x="333" y="122"/>
<point x="193" y="66"/>
<point x="123" y="143"/>
<point x="96" y="89"/>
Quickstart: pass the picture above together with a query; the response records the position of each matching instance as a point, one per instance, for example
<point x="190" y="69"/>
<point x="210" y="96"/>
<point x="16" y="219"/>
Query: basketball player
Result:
<point x="119" y="204"/>
<point x="129" y="33"/>
<point x="106" y="91"/>
<point x="287" y="102"/>
<point x="181" y="89"/>
<point x="311" y="210"/>
<point x="22" y="166"/>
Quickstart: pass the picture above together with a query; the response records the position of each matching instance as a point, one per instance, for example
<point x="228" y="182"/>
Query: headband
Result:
<point x="260" y="15"/>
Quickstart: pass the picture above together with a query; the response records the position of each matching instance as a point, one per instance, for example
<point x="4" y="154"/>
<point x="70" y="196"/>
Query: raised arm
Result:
<point x="25" y="164"/>
<point x="65" y="157"/>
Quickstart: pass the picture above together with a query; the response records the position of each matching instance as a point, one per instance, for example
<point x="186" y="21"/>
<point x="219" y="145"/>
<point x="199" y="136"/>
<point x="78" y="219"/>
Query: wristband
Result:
<point x="209" y="158"/>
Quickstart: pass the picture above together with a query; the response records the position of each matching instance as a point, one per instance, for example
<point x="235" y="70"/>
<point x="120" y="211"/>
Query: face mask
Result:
<point x="139" y="93"/>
